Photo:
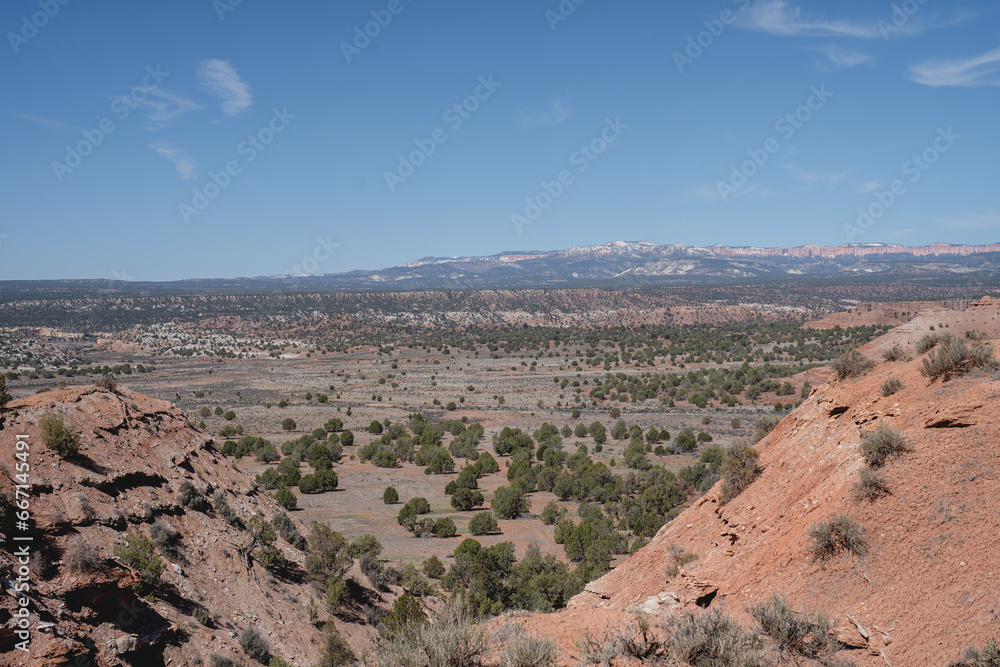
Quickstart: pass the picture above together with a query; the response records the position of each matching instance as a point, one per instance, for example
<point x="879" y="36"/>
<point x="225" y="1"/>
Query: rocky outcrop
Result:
<point x="135" y="453"/>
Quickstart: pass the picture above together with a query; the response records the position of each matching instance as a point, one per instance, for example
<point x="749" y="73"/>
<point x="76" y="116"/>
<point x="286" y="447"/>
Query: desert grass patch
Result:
<point x="954" y="357"/>
<point x="880" y="444"/>
<point x="851" y="365"/>
<point x="805" y="634"/>
<point x="871" y="486"/>
<point x="841" y="533"/>
<point x="449" y="637"/>
<point x="895" y="353"/>
<point x="987" y="656"/>
<point x="81" y="556"/>
<point x="891" y="386"/>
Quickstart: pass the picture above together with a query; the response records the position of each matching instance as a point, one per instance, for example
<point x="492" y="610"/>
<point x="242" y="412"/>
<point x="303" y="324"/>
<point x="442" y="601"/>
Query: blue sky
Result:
<point x="263" y="138"/>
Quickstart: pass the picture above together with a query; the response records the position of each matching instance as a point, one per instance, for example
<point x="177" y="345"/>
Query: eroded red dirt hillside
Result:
<point x="135" y="454"/>
<point x="929" y="584"/>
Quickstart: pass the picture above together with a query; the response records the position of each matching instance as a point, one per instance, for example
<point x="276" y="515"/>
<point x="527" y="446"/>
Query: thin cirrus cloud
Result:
<point x="840" y="57"/>
<point x="46" y="122"/>
<point x="817" y="178"/>
<point x="164" y="107"/>
<point x="980" y="70"/>
<point x="220" y="79"/>
<point x="554" y="115"/>
<point x="777" y="17"/>
<point x="183" y="162"/>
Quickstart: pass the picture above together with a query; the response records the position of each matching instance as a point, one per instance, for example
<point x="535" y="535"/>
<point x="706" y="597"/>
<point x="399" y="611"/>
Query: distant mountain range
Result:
<point x="640" y="263"/>
<point x="615" y="264"/>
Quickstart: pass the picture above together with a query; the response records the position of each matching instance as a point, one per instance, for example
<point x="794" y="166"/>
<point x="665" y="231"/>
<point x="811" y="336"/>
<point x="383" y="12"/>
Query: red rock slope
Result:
<point x="930" y="584"/>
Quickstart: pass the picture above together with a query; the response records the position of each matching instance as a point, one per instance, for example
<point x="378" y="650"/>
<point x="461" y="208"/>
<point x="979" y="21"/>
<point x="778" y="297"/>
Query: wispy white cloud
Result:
<point x="47" y="122"/>
<point x="840" y="57"/>
<point x="870" y="186"/>
<point x="183" y="162"/>
<point x="981" y="70"/>
<point x="554" y="115"/>
<point x="164" y="107"/>
<point x="221" y="80"/>
<point x="778" y="17"/>
<point x="823" y="179"/>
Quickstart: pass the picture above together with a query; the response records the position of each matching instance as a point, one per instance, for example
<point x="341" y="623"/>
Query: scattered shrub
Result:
<point x="286" y="528"/>
<point x="191" y="498"/>
<point x="139" y="553"/>
<point x="739" y="470"/>
<point x="433" y="567"/>
<point x="390" y="496"/>
<point x="794" y="634"/>
<point x="63" y="439"/>
<point x="484" y="523"/>
<point x="509" y="502"/>
<point x="450" y="638"/>
<point x="955" y="358"/>
<point x="764" y="425"/>
<point x="223" y="508"/>
<point x="928" y="341"/>
<point x="166" y="538"/>
<point x="328" y="556"/>
<point x="466" y="499"/>
<point x="891" y="386"/>
<point x="366" y="544"/>
<point x="871" y="486"/>
<point x="988" y="656"/>
<point x="263" y="535"/>
<point x="286" y="499"/>
<point x="552" y="514"/>
<point x="336" y="651"/>
<point x="839" y="533"/>
<point x="254" y="645"/>
<point x="81" y="556"/>
<point x="880" y="444"/>
<point x="529" y="651"/>
<point x="406" y="610"/>
<point x="895" y="353"/>
<point x="852" y="364"/>
<point x="107" y="382"/>
<point x="444" y="527"/>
